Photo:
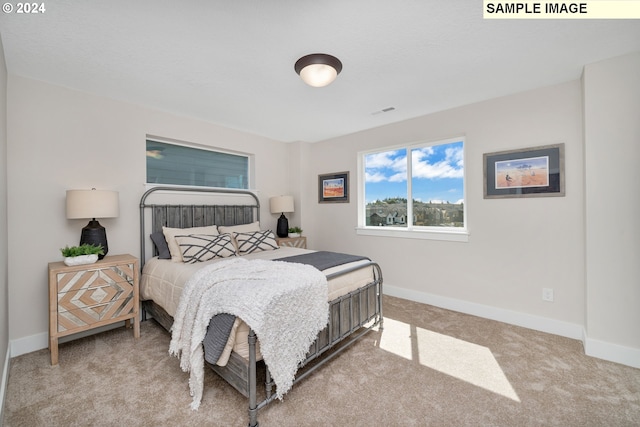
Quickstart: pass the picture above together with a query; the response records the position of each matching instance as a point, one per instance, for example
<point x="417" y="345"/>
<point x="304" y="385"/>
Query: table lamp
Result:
<point x="93" y="204"/>
<point x="282" y="204"/>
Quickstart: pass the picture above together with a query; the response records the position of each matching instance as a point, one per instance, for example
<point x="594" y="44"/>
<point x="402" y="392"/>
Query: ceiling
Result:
<point x="231" y="62"/>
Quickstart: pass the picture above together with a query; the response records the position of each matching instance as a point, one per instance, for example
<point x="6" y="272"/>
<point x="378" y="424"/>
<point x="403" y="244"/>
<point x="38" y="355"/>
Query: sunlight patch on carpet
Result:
<point x="466" y="361"/>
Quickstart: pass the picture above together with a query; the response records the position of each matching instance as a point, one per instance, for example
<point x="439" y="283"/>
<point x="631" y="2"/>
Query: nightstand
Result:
<point x="85" y="297"/>
<point x="294" y="242"/>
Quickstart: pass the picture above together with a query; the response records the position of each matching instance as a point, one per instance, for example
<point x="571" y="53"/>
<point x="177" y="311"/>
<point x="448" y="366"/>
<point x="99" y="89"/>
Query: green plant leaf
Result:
<point x="85" y="249"/>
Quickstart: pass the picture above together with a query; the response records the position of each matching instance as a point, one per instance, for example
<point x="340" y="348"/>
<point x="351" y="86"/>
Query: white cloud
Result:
<point x="449" y="167"/>
<point x="391" y="166"/>
<point x="455" y="156"/>
<point x="398" y="177"/>
<point x="382" y="160"/>
<point x="375" y="177"/>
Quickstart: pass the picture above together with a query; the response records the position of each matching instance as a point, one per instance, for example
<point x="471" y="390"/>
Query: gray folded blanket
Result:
<point x="323" y="260"/>
<point x="217" y="336"/>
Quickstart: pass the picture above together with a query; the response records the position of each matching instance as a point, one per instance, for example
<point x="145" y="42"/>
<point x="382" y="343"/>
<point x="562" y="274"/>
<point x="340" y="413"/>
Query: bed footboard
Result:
<point x="350" y="317"/>
<point x="357" y="311"/>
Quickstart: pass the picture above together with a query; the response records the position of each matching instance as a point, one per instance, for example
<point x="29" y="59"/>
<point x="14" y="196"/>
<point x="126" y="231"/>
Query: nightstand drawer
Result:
<point x="90" y="296"/>
<point x="83" y="279"/>
<point x="80" y="318"/>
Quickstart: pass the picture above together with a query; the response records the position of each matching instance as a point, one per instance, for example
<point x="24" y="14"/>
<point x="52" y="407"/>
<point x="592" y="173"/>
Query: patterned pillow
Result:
<point x="255" y="242"/>
<point x="171" y="233"/>
<point x="204" y="247"/>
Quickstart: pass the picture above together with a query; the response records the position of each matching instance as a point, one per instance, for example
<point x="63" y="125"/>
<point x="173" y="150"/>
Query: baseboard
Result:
<point x="40" y="341"/>
<point x="594" y="348"/>
<point x="3" y="384"/>
<point x="29" y="344"/>
<point x="602" y="350"/>
<point x="538" y="323"/>
<point x="612" y="352"/>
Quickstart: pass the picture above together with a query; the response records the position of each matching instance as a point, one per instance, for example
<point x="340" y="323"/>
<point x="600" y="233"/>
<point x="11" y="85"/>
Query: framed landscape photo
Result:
<point x="528" y="172"/>
<point x="333" y="188"/>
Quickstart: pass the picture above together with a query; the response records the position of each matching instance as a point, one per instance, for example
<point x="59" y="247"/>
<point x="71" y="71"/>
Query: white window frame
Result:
<point x="454" y="234"/>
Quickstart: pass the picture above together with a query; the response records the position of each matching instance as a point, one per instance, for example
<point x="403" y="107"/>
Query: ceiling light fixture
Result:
<point x="318" y="69"/>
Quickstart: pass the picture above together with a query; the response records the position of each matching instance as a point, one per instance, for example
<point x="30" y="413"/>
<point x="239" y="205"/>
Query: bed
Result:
<point x="353" y="296"/>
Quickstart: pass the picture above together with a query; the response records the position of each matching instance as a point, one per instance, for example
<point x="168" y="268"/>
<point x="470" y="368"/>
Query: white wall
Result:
<point x="297" y="167"/>
<point x="612" y="153"/>
<point x="516" y="246"/>
<point x="60" y="139"/>
<point x="4" y="287"/>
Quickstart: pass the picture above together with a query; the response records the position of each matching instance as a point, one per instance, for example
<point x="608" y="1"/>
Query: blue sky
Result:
<point x="531" y="162"/>
<point x="437" y="174"/>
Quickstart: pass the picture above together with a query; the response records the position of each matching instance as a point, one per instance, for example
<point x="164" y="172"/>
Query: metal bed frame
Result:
<point x="350" y="316"/>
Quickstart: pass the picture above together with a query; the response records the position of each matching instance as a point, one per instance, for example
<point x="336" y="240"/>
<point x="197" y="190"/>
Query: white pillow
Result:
<point x="170" y="233"/>
<point x="243" y="228"/>
<point x="202" y="247"/>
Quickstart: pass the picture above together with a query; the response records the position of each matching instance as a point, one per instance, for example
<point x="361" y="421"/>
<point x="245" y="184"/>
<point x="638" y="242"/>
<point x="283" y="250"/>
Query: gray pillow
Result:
<point x="161" y="245"/>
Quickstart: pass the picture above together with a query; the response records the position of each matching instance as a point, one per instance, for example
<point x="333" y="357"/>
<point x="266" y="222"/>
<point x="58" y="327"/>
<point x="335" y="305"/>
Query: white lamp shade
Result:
<point x="318" y="75"/>
<point x="92" y="204"/>
<point x="281" y="204"/>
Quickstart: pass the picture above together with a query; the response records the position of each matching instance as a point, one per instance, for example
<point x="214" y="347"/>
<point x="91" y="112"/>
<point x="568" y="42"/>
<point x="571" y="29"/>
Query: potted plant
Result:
<point x="83" y="254"/>
<point x="295" y="231"/>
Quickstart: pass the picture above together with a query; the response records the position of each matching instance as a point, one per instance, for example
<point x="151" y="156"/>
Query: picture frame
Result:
<point x="527" y="172"/>
<point x="333" y="188"/>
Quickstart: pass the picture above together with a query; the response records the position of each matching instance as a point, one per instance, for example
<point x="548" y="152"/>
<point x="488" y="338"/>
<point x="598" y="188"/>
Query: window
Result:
<point x="181" y="165"/>
<point x="413" y="191"/>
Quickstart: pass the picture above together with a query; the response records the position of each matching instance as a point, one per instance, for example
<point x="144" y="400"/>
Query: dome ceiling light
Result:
<point x="318" y="69"/>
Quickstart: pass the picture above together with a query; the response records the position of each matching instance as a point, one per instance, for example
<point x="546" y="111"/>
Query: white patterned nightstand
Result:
<point x="294" y="242"/>
<point x="84" y="297"/>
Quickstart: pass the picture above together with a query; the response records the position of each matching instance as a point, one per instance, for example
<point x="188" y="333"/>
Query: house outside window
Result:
<point x="176" y="164"/>
<point x="415" y="191"/>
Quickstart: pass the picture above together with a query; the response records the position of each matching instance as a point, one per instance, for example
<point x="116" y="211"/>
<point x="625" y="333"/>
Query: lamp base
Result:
<point x="283" y="226"/>
<point x="95" y="234"/>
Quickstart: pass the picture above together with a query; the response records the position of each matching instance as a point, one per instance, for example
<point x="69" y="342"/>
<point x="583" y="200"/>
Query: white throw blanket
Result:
<point x="284" y="303"/>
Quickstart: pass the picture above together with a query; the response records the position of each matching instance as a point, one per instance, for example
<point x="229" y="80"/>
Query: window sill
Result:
<point x="446" y="235"/>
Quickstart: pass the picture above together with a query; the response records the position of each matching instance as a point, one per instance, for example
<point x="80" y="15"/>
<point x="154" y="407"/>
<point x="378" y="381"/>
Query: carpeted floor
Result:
<point x="429" y="367"/>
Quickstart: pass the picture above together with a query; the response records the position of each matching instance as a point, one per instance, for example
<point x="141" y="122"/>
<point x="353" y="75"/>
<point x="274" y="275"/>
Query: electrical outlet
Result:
<point x="547" y="294"/>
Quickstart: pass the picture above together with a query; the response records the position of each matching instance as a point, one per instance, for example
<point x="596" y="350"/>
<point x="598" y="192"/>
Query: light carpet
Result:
<point x="429" y="367"/>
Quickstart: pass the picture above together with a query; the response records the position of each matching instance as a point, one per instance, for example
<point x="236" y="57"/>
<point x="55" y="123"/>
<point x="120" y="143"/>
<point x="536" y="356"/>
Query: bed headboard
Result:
<point x="192" y="207"/>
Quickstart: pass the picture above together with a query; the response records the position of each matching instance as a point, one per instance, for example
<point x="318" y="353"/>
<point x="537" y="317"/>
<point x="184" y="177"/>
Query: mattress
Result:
<point x="163" y="280"/>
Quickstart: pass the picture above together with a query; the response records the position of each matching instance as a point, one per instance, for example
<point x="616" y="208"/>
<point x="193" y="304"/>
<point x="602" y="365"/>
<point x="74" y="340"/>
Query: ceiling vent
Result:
<point x="384" y="110"/>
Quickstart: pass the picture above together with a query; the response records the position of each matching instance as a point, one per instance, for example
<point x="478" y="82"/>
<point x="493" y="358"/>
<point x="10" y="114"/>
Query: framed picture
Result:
<point x="333" y="188"/>
<point x="529" y="172"/>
